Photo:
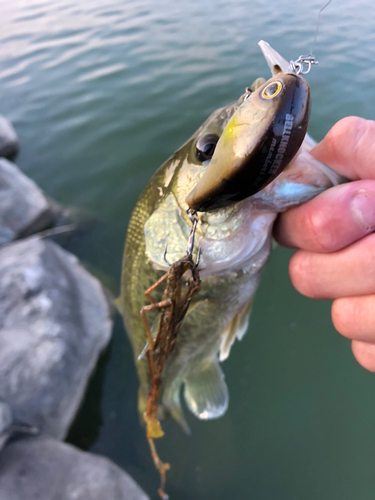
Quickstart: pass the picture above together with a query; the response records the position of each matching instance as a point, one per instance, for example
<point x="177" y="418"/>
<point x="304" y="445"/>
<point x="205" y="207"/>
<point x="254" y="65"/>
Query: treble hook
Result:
<point x="193" y="216"/>
<point x="165" y="256"/>
<point x="248" y="93"/>
<point x="198" y="259"/>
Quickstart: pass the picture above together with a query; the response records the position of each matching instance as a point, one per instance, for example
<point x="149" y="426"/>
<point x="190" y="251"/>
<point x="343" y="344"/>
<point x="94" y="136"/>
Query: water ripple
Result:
<point x="100" y="72"/>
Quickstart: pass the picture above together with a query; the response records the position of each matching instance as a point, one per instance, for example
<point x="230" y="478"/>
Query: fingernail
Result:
<point x="363" y="209"/>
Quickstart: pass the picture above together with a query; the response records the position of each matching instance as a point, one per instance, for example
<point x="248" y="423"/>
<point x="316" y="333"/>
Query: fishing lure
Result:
<point x="275" y="117"/>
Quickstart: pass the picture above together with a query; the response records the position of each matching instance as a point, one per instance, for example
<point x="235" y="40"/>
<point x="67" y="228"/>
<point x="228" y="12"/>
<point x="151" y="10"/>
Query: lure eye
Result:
<point x="272" y="90"/>
<point x="205" y="147"/>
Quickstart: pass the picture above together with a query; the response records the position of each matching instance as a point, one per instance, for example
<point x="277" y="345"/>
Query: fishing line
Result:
<point x="302" y="65"/>
<point x="317" y="26"/>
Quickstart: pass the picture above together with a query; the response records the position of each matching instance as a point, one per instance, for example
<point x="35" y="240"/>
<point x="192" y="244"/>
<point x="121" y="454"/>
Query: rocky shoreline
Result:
<point x="55" y="320"/>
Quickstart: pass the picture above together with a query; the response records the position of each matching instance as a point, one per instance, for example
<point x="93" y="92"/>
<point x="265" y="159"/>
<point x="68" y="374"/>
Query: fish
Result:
<point x="235" y="240"/>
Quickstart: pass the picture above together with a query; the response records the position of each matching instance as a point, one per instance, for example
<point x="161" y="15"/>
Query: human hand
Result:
<point x="334" y="233"/>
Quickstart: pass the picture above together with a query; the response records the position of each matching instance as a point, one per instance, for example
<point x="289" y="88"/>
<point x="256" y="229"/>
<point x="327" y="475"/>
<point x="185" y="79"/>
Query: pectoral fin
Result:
<point x="236" y="328"/>
<point x="206" y="393"/>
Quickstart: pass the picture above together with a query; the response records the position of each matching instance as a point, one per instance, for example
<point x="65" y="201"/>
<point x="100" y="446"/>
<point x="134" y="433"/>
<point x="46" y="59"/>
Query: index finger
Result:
<point x="332" y="220"/>
<point x="345" y="213"/>
<point x="349" y="148"/>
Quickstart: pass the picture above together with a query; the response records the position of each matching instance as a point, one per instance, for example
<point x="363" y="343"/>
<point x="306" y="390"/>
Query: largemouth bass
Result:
<point x="235" y="242"/>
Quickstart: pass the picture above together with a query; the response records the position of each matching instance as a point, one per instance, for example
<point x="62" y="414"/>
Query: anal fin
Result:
<point x="171" y="405"/>
<point x="176" y="413"/>
<point x="206" y="392"/>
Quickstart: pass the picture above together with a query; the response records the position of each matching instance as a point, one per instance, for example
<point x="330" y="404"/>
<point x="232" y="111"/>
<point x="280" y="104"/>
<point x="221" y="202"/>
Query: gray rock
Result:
<point x="6" y="422"/>
<point x="9" y="428"/>
<point x="45" y="469"/>
<point x="24" y="209"/>
<point x="54" y="322"/>
<point x="8" y="138"/>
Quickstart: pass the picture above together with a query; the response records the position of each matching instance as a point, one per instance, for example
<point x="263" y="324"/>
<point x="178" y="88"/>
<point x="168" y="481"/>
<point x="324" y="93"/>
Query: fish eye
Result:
<point x="205" y="147"/>
<point x="271" y="90"/>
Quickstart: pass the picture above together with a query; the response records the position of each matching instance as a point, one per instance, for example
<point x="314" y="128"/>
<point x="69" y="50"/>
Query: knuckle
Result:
<point x="367" y="248"/>
<point x="350" y="129"/>
<point x="351" y="137"/>
<point x="362" y="138"/>
<point x="342" y="316"/>
<point x="300" y="273"/>
<point x="320" y="234"/>
<point x="347" y="125"/>
<point x="353" y="317"/>
<point x="365" y="354"/>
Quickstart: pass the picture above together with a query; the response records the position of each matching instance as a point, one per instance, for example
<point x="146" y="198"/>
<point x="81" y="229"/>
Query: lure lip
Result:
<point x="275" y="61"/>
<point x="251" y="152"/>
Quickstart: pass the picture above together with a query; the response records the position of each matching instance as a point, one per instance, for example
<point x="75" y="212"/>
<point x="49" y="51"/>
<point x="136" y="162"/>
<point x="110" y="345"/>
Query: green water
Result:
<point x="101" y="93"/>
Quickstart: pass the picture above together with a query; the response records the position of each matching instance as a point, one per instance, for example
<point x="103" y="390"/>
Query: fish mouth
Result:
<point x="230" y="240"/>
